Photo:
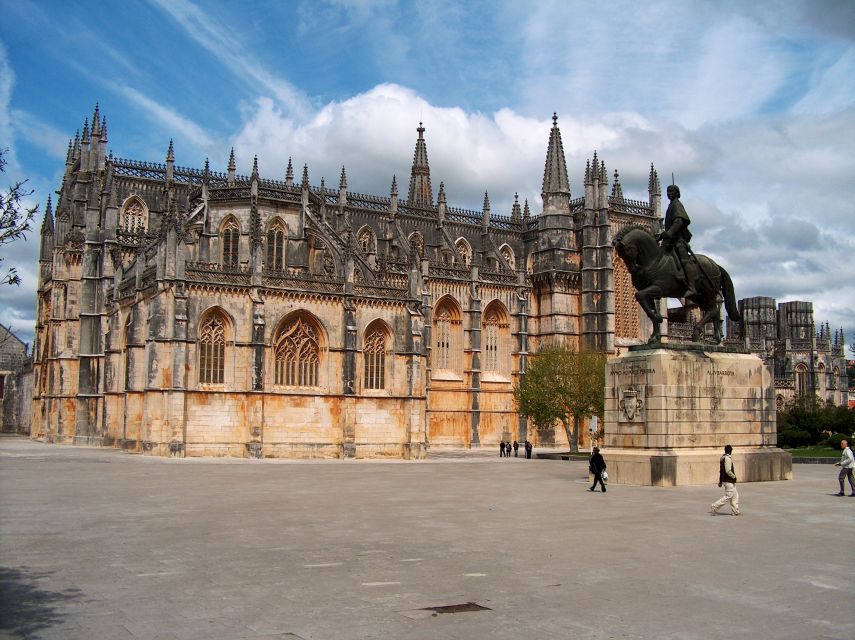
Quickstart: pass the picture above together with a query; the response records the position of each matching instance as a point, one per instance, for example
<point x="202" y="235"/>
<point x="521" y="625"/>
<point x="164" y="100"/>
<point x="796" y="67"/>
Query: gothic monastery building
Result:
<point x="188" y="312"/>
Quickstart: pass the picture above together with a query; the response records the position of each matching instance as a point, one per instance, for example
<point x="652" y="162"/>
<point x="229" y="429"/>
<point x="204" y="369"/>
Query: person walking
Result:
<point x="847" y="468"/>
<point x="597" y="466"/>
<point x="528" y="448"/>
<point x="502" y="449"/>
<point x="727" y="479"/>
<point x="516" y="449"/>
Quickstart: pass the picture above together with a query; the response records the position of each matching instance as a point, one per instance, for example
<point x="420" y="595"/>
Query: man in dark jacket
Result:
<point x="597" y="466"/>
<point x="727" y="479"/>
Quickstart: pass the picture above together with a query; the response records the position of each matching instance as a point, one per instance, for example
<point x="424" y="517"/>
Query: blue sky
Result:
<point x="752" y="107"/>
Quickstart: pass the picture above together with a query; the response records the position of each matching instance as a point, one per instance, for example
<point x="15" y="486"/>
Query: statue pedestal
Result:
<point x="670" y="411"/>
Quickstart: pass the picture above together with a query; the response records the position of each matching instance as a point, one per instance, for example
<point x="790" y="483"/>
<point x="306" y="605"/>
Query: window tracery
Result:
<point x="496" y="339"/>
<point x="297" y="355"/>
<point x="417" y="243"/>
<point x="230" y="239"/>
<point x="366" y="241"/>
<point x="465" y="251"/>
<point x="276" y="246"/>
<point x="448" y="343"/>
<point x="212" y="350"/>
<point x="374" y="354"/>
<point x="134" y="216"/>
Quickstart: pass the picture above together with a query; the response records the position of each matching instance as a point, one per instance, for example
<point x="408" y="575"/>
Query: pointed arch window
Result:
<point x="230" y="239"/>
<point x="496" y="339"/>
<point x="374" y="354"/>
<point x="297" y="355"/>
<point x="820" y="377"/>
<point x="63" y="226"/>
<point x="448" y="339"/>
<point x="835" y="374"/>
<point x="134" y="216"/>
<point x="212" y="350"/>
<point x="801" y="380"/>
<point x="276" y="246"/>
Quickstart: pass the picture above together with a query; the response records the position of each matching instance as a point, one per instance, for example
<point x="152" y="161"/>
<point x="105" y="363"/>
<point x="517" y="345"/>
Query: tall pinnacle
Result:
<point x="556" y="186"/>
<point x="421" y="193"/>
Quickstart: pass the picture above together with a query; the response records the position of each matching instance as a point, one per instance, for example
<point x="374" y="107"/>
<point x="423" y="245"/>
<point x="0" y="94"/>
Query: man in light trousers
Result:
<point x="846" y="464"/>
<point x="727" y="478"/>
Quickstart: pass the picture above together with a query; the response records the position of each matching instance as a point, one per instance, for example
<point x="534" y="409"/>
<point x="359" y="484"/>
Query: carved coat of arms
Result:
<point x="630" y="404"/>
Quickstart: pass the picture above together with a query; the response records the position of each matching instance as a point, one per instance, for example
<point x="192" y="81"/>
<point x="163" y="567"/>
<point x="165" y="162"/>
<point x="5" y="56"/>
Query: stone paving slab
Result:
<point x="100" y="544"/>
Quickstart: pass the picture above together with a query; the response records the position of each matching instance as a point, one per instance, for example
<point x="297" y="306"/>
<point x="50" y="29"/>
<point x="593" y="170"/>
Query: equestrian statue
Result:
<point x="675" y="271"/>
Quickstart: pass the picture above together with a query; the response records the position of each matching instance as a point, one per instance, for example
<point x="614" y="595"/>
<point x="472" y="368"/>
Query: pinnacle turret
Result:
<point x="556" y="185"/>
<point x="104" y="129"/>
<point x="617" y="190"/>
<point x="305" y="182"/>
<point x="85" y="138"/>
<point x="421" y="193"/>
<point x="394" y="189"/>
<point x="47" y="223"/>
<point x="516" y="212"/>
<point x="342" y="183"/>
<point x="440" y="197"/>
<point x="289" y="173"/>
<point x="232" y="165"/>
<point x="255" y="167"/>
<point x="96" y="121"/>
<point x="170" y="152"/>
<point x="526" y="210"/>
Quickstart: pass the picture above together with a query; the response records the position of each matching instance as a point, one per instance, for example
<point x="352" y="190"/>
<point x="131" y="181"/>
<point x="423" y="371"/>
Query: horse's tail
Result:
<point x="729" y="296"/>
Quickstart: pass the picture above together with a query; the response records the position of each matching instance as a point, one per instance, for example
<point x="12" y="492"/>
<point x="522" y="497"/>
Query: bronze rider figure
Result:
<point x="676" y="236"/>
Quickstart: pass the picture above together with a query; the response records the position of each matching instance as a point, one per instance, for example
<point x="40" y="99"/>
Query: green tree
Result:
<point x="562" y="385"/>
<point x="14" y="219"/>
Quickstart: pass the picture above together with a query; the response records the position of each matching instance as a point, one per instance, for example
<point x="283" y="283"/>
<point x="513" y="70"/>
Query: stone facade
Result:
<point x="805" y="362"/>
<point x="189" y="312"/>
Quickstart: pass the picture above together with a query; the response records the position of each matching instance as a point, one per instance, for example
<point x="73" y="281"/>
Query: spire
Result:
<point x="96" y="122"/>
<point x="170" y="152"/>
<point x="305" y="183"/>
<point x="289" y="173"/>
<point x="441" y="195"/>
<point x="47" y="223"/>
<point x="207" y="167"/>
<point x="104" y="129"/>
<point x="421" y="193"/>
<point x="69" y="153"/>
<point x="394" y="190"/>
<point x="232" y="168"/>
<point x="653" y="181"/>
<point x="617" y="190"/>
<point x="526" y="210"/>
<point x="556" y="186"/>
<point x="485" y="219"/>
<point x="342" y="183"/>
<point x="255" y="168"/>
<point x="516" y="212"/>
<point x="85" y="139"/>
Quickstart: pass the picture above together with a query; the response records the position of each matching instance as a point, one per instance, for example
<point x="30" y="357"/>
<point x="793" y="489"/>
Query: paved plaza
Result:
<point x="99" y="544"/>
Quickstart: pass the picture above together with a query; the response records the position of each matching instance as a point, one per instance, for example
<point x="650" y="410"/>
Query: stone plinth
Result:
<point x="670" y="412"/>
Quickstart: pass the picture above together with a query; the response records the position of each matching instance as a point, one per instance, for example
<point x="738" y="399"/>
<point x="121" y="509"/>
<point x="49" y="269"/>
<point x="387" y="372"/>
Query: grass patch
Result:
<point x="816" y="451"/>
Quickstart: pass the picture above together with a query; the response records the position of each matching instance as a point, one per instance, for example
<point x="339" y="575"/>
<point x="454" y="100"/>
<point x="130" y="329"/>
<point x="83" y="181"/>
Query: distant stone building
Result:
<point x="189" y="312"/>
<point x="13" y="352"/>
<point x="804" y="361"/>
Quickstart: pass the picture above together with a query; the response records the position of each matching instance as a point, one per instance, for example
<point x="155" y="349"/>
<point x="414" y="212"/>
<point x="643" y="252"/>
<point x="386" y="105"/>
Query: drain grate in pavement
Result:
<point x="458" y="608"/>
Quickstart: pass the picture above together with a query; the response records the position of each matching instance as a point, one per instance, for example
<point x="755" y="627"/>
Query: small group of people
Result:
<point x="505" y="449"/>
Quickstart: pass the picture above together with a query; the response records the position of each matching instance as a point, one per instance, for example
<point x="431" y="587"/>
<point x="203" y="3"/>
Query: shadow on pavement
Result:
<point x="24" y="607"/>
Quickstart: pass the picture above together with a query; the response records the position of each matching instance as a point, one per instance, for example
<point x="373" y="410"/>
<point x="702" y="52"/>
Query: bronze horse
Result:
<point x="656" y="274"/>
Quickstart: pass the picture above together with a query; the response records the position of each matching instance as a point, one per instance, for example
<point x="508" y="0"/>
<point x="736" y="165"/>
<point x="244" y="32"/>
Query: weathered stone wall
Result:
<point x="18" y="400"/>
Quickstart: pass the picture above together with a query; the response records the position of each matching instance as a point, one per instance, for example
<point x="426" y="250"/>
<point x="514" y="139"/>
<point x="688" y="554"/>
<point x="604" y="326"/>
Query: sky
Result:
<point x="750" y="105"/>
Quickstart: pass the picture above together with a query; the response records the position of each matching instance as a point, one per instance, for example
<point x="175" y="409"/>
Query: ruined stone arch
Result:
<point x="134" y="215"/>
<point x="447" y="337"/>
<point x="299" y="346"/>
<point x="230" y="241"/>
<point x="367" y="240"/>
<point x="465" y="250"/>
<point x="508" y="256"/>
<point x="213" y="340"/>
<point x="496" y="339"/>
<point x="277" y="234"/>
<point x="376" y="346"/>
<point x="417" y="243"/>
<point x="322" y="258"/>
